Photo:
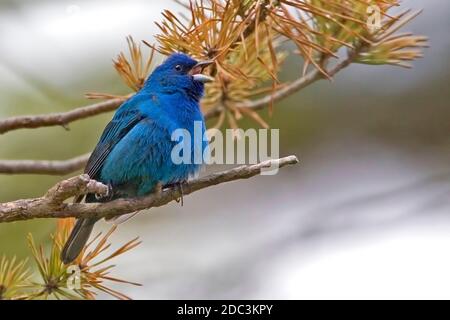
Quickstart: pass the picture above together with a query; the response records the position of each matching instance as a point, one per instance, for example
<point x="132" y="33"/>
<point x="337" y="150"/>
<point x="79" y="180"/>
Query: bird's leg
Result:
<point x="158" y="188"/>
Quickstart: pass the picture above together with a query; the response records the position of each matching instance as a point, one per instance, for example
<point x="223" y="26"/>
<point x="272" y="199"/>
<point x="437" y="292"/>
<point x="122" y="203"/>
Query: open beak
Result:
<point x="196" y="72"/>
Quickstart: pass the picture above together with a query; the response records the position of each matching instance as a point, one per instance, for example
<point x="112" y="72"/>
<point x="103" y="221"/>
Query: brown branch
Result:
<point x="297" y="85"/>
<point x="73" y="187"/>
<point x="52" y="205"/>
<point x="58" y="119"/>
<point x="287" y="90"/>
<point x="59" y="168"/>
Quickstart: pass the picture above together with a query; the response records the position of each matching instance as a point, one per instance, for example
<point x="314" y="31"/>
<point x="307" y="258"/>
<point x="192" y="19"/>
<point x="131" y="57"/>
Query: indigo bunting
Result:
<point x="133" y="155"/>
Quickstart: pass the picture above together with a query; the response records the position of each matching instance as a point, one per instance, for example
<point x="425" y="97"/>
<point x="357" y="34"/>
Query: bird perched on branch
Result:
<point x="133" y="155"/>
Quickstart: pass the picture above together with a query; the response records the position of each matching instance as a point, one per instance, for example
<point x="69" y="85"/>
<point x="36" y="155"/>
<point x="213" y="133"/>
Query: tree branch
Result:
<point x="286" y="91"/>
<point x="58" y="119"/>
<point x="59" y="168"/>
<point x="294" y="86"/>
<point x="52" y="204"/>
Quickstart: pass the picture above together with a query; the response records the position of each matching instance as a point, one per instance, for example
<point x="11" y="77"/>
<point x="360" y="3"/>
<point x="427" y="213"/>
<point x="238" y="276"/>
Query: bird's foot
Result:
<point x="105" y="197"/>
<point x="179" y="186"/>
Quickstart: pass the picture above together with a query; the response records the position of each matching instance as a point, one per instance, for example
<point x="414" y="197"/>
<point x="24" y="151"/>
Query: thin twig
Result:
<point x="52" y="205"/>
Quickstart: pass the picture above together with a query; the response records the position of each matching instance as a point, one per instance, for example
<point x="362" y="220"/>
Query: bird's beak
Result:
<point x="196" y="72"/>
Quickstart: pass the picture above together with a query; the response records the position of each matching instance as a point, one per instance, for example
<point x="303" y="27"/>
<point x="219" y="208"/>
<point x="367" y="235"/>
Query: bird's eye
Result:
<point x="178" y="67"/>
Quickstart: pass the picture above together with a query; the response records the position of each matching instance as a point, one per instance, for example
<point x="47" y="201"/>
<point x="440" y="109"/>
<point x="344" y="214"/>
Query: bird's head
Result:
<point x="179" y="72"/>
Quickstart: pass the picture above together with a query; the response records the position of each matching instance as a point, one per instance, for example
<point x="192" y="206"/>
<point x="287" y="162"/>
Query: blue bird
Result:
<point x="133" y="155"/>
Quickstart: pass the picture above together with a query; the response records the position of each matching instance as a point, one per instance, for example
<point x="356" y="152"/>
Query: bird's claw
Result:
<point x="106" y="197"/>
<point x="180" y="186"/>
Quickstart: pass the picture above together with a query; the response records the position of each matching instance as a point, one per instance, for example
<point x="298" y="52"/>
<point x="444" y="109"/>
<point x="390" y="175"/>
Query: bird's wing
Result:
<point x="119" y="126"/>
<point x="124" y="120"/>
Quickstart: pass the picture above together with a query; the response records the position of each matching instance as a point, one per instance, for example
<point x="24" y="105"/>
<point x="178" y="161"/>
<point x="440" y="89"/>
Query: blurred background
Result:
<point x="366" y="213"/>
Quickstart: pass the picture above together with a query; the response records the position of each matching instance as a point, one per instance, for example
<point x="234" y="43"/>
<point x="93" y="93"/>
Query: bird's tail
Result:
<point x="77" y="239"/>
